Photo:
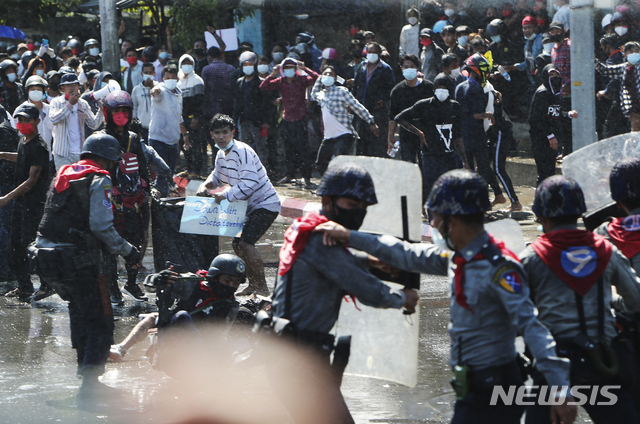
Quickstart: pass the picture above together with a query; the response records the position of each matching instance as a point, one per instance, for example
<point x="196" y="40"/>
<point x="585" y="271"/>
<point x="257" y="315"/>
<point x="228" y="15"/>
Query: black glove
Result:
<point x="133" y="257"/>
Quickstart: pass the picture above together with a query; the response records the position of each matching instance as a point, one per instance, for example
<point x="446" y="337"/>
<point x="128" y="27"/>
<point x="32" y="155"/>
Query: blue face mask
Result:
<point x="39" y="72"/>
<point x="289" y="73"/>
<point x="230" y="145"/>
<point x="163" y="55"/>
<point x="103" y="84"/>
<point x="496" y="38"/>
<point x="187" y="69"/>
<point x="633" y="58"/>
<point x="410" y="73"/>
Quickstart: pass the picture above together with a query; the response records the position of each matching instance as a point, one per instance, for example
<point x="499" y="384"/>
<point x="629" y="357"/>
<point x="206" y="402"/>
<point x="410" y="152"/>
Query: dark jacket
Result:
<point x="377" y="88"/>
<point x="136" y="149"/>
<point x="546" y="115"/>
<point x="257" y="108"/>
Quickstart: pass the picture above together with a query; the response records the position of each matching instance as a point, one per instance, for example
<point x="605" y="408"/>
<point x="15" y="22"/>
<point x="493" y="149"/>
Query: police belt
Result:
<point x="487" y="378"/>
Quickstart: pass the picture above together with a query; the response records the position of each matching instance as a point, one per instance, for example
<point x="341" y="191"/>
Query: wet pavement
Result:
<point x="38" y="380"/>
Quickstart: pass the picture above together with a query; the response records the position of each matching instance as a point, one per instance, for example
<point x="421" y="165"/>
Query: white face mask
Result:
<point x="372" y="57"/>
<point x="621" y="30"/>
<point x="289" y="73"/>
<point x="36" y="95"/>
<point x="547" y="47"/>
<point x="442" y="94"/>
<point x="187" y="69"/>
<point x="277" y="57"/>
<point x="410" y="73"/>
<point x="455" y="73"/>
<point x="263" y="69"/>
<point x="248" y="70"/>
<point x="463" y="40"/>
<point x="146" y="77"/>
<point x="449" y="12"/>
<point x="39" y="72"/>
<point x="328" y="80"/>
<point x="171" y="83"/>
<point x="94" y="51"/>
<point x="437" y="239"/>
<point x="412" y="20"/>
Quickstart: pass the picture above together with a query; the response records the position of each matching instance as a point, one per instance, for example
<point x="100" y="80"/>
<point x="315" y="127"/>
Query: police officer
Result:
<point x="624" y="233"/>
<point x="92" y="58"/>
<point x="574" y="271"/>
<point x="77" y="223"/>
<point x="312" y="279"/>
<point x="489" y="304"/>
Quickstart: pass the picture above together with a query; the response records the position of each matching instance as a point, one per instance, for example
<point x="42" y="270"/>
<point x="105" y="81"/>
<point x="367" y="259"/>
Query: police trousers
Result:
<point x="476" y="408"/>
<point x="75" y="276"/>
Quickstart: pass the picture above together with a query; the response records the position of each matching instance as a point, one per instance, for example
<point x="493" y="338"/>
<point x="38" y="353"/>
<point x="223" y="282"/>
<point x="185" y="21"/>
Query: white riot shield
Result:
<point x="384" y="342"/>
<point x="591" y="166"/>
<point x="509" y="231"/>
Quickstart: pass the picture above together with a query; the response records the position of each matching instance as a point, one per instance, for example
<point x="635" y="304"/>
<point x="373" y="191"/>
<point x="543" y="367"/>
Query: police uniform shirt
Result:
<point x="556" y="301"/>
<point x="33" y="153"/>
<point x="632" y="222"/>
<point x="497" y="294"/>
<point x="439" y="121"/>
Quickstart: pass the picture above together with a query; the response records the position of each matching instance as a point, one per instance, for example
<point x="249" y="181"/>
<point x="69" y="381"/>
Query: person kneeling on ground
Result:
<point x="238" y="166"/>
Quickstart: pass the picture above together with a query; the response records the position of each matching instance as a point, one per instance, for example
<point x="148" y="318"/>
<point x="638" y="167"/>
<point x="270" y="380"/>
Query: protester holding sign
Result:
<point x="238" y="165"/>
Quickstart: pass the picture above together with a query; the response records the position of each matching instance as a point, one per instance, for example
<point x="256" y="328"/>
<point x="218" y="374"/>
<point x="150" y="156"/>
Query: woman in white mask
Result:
<point x="410" y="34"/>
<point x="404" y="95"/>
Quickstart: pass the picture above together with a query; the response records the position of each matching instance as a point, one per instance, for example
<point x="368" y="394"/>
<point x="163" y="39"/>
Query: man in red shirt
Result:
<point x="292" y="78"/>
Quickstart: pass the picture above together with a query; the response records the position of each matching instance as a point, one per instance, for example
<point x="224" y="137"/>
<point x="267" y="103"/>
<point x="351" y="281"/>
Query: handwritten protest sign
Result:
<point x="202" y="215"/>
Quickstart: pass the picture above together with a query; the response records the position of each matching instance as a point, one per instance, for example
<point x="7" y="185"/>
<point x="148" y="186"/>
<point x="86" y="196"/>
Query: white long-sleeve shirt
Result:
<point x="242" y="170"/>
<point x="60" y="114"/>
<point x="410" y="40"/>
<point x="166" y="115"/>
<point x="142" y="104"/>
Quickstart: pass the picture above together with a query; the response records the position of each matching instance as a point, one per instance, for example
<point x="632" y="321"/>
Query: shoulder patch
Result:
<point x="107" y="193"/>
<point x="508" y="278"/>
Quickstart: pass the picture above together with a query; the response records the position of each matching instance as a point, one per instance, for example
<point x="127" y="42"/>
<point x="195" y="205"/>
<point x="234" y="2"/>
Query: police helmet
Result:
<point x="305" y="37"/>
<point x="90" y="42"/>
<point x="558" y="196"/>
<point x="103" y="145"/>
<point x="624" y="180"/>
<point x="349" y="180"/>
<point x="227" y="264"/>
<point x="8" y="63"/>
<point x="459" y="192"/>
<point x="26" y="58"/>
<point x="478" y="64"/>
<point x="496" y="27"/>
<point x="35" y="80"/>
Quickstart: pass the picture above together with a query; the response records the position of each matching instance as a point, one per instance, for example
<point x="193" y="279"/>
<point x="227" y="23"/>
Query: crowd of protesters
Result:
<point x="447" y="102"/>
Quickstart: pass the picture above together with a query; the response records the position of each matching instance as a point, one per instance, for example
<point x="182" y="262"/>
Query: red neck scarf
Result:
<point x="296" y="238"/>
<point x="578" y="257"/>
<point x="460" y="261"/>
<point x="75" y="171"/>
<point x="625" y="234"/>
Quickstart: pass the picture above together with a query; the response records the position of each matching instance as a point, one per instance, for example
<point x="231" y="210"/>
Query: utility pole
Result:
<point x="109" y="34"/>
<point x="583" y="90"/>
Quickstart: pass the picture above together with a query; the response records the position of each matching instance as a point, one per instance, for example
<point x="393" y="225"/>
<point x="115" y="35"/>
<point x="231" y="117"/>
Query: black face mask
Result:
<point x="200" y="52"/>
<point x="349" y="218"/>
<point x="555" y="38"/>
<point x="556" y="85"/>
<point x="54" y="85"/>
<point x="222" y="291"/>
<point x="356" y="54"/>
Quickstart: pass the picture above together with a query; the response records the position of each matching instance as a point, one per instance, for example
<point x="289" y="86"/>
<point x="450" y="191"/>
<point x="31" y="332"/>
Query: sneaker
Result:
<point x="285" y="180"/>
<point x="309" y="185"/>
<point x="134" y="292"/>
<point x="19" y="294"/>
<point x="41" y="294"/>
<point x="117" y="353"/>
<point x="116" y="299"/>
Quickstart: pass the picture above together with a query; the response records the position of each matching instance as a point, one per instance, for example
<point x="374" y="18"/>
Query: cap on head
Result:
<point x="329" y="54"/>
<point x="624" y="180"/>
<point x="558" y="196"/>
<point x="459" y="192"/>
<point x="557" y="25"/>
<point x="348" y="179"/>
<point x="69" y="79"/>
<point x="27" y="110"/>
<point x="103" y="145"/>
<point x="227" y="264"/>
<point x="426" y="32"/>
<point x="35" y="80"/>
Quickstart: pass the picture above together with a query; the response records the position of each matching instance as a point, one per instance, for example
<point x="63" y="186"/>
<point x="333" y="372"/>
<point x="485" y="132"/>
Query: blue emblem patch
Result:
<point x="631" y="223"/>
<point x="579" y="261"/>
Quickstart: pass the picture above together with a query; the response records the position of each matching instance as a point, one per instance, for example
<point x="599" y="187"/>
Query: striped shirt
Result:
<point x="60" y="112"/>
<point x="242" y="170"/>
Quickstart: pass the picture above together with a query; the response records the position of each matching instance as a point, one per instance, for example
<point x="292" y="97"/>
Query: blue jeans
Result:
<point x="5" y="233"/>
<point x="168" y="152"/>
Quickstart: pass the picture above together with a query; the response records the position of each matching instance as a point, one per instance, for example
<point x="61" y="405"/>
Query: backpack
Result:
<point x="128" y="189"/>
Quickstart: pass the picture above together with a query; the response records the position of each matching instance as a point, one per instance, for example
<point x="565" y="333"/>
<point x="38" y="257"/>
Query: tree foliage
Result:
<point x="24" y="13"/>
